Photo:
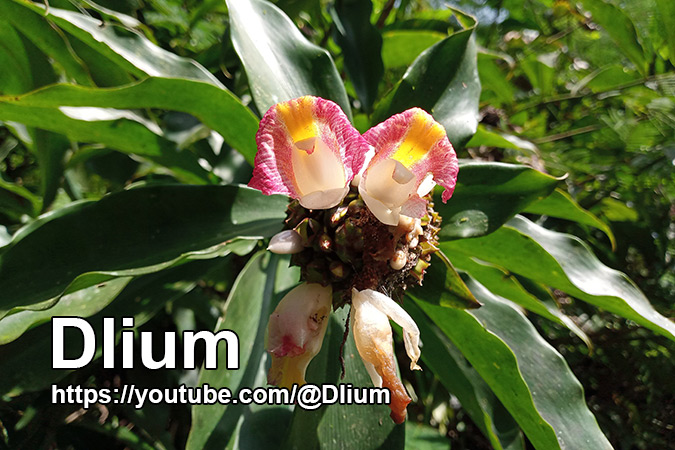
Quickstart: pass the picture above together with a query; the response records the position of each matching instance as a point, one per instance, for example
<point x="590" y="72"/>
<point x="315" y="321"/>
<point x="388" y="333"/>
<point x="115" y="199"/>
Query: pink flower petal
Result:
<point x="307" y="149"/>
<point x="418" y="142"/>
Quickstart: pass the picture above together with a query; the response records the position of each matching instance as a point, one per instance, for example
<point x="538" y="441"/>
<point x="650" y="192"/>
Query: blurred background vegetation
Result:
<point x="584" y="90"/>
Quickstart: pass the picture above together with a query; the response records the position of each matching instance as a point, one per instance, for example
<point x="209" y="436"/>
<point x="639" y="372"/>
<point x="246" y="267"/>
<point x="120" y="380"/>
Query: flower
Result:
<point x="308" y="150"/>
<point x="295" y="332"/>
<point x="411" y="155"/>
<point x="371" y="311"/>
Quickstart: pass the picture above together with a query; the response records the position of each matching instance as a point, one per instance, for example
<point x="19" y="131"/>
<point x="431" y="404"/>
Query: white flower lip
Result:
<point x="319" y="174"/>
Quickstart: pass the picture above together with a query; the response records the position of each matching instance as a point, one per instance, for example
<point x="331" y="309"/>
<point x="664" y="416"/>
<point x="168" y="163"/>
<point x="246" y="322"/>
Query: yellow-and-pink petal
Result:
<point x="409" y="144"/>
<point x="308" y="150"/>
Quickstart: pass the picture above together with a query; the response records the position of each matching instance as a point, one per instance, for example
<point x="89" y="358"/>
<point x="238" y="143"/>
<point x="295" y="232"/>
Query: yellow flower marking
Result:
<point x="298" y="118"/>
<point x="422" y="135"/>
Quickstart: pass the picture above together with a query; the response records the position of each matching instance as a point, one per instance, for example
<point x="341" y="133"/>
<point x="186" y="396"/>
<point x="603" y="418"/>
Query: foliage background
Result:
<point x="584" y="90"/>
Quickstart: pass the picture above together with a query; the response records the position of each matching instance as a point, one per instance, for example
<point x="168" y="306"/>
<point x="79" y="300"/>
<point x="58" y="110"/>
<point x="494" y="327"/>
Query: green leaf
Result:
<point x="459" y="378"/>
<point x="361" y="46"/>
<point x="666" y="14"/>
<point x="477" y="399"/>
<point x="122" y="130"/>
<point x="446" y="287"/>
<point x="563" y="262"/>
<point x="248" y="307"/>
<point x="490" y="138"/>
<point x="17" y="77"/>
<point x="16" y="200"/>
<point x="34" y="69"/>
<point x="401" y="47"/>
<point x="129" y="50"/>
<point x="217" y="108"/>
<point x="443" y="80"/>
<point x="130" y="233"/>
<point x="279" y="62"/>
<point x="559" y="204"/>
<point x="50" y="40"/>
<point x="424" y="437"/>
<point x="541" y="71"/>
<point x="505" y="284"/>
<point x="352" y="426"/>
<point x="621" y="29"/>
<point x="489" y="194"/>
<point x="494" y="80"/>
<point x="50" y="150"/>
<point x="83" y="303"/>
<point x="23" y="363"/>
<point x="530" y="378"/>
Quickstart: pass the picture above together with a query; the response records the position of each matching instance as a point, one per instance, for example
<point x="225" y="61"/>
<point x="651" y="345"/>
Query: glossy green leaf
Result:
<point x="122" y="130"/>
<point x="529" y="376"/>
<point x="401" y="47"/>
<point x="48" y="39"/>
<point x="503" y="283"/>
<point x="459" y="378"/>
<point x="129" y="50"/>
<point x="248" y="307"/>
<point x="280" y="63"/>
<point x="443" y="80"/>
<point x="217" y="108"/>
<point x="563" y="262"/>
<point x="447" y="288"/>
<point x="489" y="194"/>
<point x="130" y="233"/>
<point x="620" y="28"/>
<point x="491" y="138"/>
<point x="361" y="46"/>
<point x="83" y="303"/>
<point x="348" y="426"/>
<point x="559" y="204"/>
<point x="23" y="363"/>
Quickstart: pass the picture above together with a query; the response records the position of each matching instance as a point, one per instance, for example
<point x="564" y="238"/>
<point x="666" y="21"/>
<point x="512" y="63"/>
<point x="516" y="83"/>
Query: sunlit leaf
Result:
<point x="130" y="233"/>
<point x="280" y="63"/>
<point x="529" y="376"/>
<point x="563" y="262"/>
<point x="621" y="29"/>
<point x="559" y="204"/>
<point x="459" y="378"/>
<point x="23" y="363"/>
<point x="122" y="130"/>
<point x="443" y="80"/>
<point x="489" y="194"/>
<point x="216" y="107"/>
